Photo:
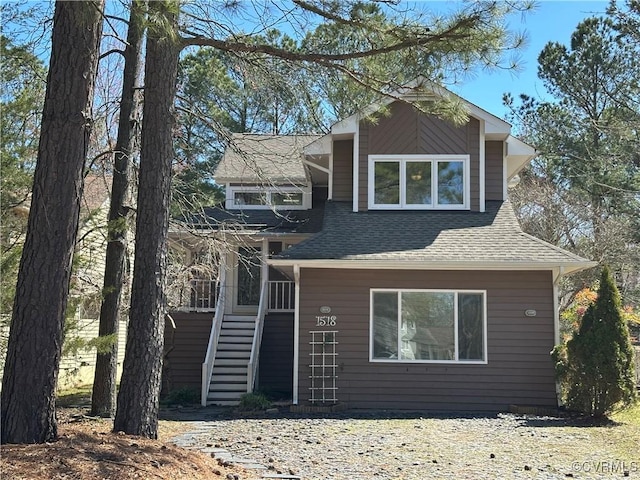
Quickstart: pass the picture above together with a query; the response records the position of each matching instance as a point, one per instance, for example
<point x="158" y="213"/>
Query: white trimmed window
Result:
<point x="419" y="182"/>
<point x="282" y="198"/>
<point x="444" y="326"/>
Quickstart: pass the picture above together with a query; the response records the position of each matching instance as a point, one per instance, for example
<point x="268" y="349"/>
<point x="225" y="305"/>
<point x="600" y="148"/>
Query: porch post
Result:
<point x="296" y="331"/>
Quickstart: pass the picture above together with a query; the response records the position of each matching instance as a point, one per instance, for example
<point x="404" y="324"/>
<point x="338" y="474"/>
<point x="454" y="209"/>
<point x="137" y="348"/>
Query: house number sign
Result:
<point x="325" y="320"/>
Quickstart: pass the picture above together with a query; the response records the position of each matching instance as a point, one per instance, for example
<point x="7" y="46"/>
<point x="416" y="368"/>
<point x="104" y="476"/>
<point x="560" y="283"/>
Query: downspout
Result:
<point x="556" y="322"/>
<point x="296" y="332"/>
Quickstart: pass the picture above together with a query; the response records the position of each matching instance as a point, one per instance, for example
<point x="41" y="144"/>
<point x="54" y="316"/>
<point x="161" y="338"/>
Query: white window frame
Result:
<point x="456" y="361"/>
<point x="434" y="159"/>
<point x="268" y="191"/>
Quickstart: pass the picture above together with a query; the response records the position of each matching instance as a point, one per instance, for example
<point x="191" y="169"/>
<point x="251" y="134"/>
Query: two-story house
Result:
<point x="380" y="266"/>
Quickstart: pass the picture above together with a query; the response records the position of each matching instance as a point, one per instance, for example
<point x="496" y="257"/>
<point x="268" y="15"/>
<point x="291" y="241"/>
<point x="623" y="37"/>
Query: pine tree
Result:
<point x="596" y="366"/>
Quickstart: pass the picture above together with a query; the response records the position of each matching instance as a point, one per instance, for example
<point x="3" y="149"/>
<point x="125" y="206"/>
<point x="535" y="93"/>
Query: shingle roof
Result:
<point x="265" y="221"/>
<point x="252" y="158"/>
<point x="438" y="237"/>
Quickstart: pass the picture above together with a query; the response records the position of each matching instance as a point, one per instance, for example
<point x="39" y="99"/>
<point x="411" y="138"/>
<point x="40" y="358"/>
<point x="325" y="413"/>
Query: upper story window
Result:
<point x="293" y="198"/>
<point x="419" y="182"/>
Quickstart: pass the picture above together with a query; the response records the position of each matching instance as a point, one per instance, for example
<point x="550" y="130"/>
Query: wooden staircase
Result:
<point x="229" y="376"/>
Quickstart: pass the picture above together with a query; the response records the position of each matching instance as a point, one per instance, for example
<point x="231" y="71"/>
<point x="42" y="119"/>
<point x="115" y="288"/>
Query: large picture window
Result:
<point x="428" y="326"/>
<point x="419" y="181"/>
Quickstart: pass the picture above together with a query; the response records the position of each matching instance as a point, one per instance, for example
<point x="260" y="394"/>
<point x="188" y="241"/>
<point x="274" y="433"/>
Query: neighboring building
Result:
<point x="380" y="266"/>
<point x="77" y="364"/>
<point x="77" y="367"/>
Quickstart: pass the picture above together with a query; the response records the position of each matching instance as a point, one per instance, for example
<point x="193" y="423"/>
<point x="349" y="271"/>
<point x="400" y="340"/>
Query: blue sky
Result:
<point x="552" y="21"/>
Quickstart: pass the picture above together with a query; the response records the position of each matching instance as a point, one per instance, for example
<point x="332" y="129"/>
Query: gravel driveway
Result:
<point x="383" y="445"/>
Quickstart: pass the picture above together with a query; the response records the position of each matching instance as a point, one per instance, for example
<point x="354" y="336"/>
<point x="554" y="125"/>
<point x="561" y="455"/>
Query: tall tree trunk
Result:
<point x="139" y="395"/>
<point x="36" y="335"/>
<point x="103" y="397"/>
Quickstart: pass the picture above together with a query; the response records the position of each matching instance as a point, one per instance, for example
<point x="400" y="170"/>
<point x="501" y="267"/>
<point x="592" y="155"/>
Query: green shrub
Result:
<point x="182" y="396"/>
<point x="596" y="366"/>
<point x="254" y="401"/>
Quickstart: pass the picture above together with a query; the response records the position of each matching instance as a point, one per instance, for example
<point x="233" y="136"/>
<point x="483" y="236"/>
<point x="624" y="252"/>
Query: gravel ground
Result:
<point x="385" y="446"/>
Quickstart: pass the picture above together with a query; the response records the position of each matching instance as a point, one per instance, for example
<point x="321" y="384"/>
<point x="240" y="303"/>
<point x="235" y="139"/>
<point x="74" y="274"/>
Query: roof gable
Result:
<point x="253" y="158"/>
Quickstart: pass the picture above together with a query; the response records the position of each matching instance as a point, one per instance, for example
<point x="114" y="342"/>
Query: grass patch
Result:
<point x="630" y="415"/>
<point x="80" y="395"/>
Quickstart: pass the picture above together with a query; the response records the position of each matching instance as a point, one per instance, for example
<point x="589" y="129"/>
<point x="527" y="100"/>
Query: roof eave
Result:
<point x="519" y="154"/>
<point x="567" y="267"/>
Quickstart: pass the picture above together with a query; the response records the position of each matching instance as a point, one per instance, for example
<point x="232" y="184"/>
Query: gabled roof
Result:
<point x="518" y="153"/>
<point x="264" y="159"/>
<point x="428" y="239"/>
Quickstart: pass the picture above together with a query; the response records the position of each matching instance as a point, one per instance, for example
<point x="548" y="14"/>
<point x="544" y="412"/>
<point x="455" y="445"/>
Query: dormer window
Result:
<point x="419" y="182"/>
<point x="258" y="197"/>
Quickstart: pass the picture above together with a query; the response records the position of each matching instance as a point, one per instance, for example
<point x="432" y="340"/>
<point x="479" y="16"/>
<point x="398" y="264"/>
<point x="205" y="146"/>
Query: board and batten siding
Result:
<point x="519" y="369"/>
<point x="407" y="131"/>
<point x="343" y="170"/>
<point x="185" y="346"/>
<point x="494" y="152"/>
<point x="276" y="355"/>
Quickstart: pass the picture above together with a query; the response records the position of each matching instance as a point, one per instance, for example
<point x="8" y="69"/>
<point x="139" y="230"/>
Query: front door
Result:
<point x="248" y="270"/>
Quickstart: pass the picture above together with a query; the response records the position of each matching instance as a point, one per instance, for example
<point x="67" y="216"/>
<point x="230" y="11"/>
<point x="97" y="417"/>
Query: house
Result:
<point x="379" y="266"/>
<point x="77" y="365"/>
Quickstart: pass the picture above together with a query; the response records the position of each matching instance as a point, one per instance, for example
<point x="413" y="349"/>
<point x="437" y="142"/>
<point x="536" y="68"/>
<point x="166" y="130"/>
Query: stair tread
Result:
<point x="233" y="354"/>
<point x="224" y="394"/>
<point x="220" y="378"/>
<point x="236" y="347"/>
<point x="223" y="403"/>
<point x="230" y="362"/>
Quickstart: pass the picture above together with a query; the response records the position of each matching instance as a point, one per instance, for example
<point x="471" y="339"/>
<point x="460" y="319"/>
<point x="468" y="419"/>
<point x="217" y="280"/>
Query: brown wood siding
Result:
<point x="494" y="172"/>
<point x="343" y="170"/>
<point x="406" y="131"/>
<point x="276" y="355"/>
<point x="519" y="368"/>
<point x="185" y="347"/>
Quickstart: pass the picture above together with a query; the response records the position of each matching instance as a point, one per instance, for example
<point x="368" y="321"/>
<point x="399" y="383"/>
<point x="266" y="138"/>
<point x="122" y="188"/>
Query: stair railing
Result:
<point x="207" y="365"/>
<point x="252" y="367"/>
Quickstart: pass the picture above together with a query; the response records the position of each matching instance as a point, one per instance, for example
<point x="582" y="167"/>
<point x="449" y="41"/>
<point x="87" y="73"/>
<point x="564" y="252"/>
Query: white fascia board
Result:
<point x="316" y="166"/>
<point x="518" y="155"/>
<point x="345" y="126"/>
<point x="424" y="89"/>
<point x="568" y="267"/>
<point x="321" y="146"/>
<point x="482" y="167"/>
